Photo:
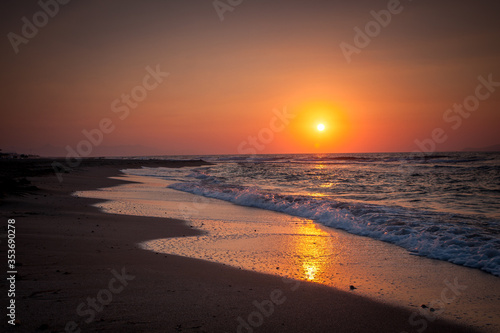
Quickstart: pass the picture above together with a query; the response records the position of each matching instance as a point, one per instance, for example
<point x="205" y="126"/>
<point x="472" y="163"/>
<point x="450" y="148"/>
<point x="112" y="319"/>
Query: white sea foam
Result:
<point x="423" y="233"/>
<point x="443" y="206"/>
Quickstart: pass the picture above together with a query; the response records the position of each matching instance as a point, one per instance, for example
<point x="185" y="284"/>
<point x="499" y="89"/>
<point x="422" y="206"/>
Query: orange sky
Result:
<point x="226" y="77"/>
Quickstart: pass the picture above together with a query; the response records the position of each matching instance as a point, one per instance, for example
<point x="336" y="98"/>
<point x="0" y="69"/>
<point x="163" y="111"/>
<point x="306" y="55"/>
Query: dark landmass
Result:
<point x="14" y="171"/>
<point x="494" y="148"/>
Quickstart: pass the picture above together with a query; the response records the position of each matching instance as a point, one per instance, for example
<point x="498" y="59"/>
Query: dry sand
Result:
<point x="71" y="253"/>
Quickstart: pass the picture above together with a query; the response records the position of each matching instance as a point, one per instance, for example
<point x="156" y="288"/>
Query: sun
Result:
<point x="320" y="127"/>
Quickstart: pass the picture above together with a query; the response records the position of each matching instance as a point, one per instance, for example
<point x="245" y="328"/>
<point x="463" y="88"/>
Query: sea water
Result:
<point x="443" y="206"/>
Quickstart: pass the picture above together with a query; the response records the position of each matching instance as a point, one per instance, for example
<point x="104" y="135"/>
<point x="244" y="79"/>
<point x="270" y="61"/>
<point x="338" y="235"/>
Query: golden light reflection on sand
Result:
<point x="291" y="247"/>
<point x="310" y="249"/>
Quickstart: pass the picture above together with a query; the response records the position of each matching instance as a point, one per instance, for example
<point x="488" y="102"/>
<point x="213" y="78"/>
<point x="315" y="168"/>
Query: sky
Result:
<point x="153" y="77"/>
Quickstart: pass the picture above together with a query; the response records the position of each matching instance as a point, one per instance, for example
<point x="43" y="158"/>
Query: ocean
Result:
<point x="442" y="206"/>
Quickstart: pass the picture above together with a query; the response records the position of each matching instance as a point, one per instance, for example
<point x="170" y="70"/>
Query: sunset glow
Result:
<point x="342" y="156"/>
<point x="177" y="78"/>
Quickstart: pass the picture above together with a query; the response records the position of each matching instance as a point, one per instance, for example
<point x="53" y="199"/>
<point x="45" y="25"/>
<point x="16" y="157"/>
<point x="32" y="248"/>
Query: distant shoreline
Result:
<point x="152" y="157"/>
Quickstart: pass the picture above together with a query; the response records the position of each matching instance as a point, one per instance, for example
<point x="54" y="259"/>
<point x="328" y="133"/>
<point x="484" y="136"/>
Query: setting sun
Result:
<point x="320" y="127"/>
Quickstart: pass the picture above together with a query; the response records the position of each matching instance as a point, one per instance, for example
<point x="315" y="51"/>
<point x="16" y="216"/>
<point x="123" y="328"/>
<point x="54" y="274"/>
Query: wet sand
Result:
<point x="80" y="268"/>
<point x="275" y="243"/>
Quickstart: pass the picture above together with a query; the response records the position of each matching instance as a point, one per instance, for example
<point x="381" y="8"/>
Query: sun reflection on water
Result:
<point x="319" y="166"/>
<point x="311" y="247"/>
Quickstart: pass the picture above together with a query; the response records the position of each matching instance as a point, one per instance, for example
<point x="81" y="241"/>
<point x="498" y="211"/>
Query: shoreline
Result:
<point x="71" y="251"/>
<point x="269" y="242"/>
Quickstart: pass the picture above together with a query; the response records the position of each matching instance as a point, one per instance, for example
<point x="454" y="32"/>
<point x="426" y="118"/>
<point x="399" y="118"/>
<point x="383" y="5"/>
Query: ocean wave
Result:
<point x="251" y="159"/>
<point x="337" y="158"/>
<point x="431" y="234"/>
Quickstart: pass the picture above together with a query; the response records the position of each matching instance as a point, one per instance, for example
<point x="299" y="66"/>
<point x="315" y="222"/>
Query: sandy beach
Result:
<point x="250" y="166"/>
<point x="81" y="270"/>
